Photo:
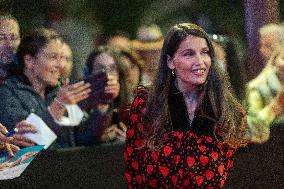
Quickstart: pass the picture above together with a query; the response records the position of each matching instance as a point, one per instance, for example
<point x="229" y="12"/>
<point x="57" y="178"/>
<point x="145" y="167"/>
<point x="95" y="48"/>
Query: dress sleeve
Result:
<point x="133" y="155"/>
<point x="230" y="158"/>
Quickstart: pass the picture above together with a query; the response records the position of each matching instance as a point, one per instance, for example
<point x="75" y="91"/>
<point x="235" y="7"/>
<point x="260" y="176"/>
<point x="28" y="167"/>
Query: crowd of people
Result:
<point x="36" y="78"/>
<point x="180" y="104"/>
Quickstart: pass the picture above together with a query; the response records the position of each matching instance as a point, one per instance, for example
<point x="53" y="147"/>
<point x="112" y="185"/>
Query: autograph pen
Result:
<point x="12" y="132"/>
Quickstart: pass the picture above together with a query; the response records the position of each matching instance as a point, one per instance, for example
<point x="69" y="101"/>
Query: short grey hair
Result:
<point x="273" y="27"/>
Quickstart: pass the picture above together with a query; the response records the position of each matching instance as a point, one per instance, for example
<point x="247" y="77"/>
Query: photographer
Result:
<point x="102" y="119"/>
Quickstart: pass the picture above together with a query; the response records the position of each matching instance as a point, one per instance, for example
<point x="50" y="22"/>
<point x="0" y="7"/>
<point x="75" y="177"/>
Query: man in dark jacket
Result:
<point x="9" y="42"/>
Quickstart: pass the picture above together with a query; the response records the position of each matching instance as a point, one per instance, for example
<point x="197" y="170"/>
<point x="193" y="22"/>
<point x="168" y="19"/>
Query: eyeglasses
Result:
<point x="53" y="56"/>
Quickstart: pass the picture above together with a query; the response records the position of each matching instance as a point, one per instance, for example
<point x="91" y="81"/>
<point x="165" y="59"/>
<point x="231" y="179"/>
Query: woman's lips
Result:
<point x="198" y="72"/>
<point x="55" y="74"/>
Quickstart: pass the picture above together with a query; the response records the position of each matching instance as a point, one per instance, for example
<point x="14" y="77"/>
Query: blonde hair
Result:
<point x="267" y="69"/>
<point x="273" y="27"/>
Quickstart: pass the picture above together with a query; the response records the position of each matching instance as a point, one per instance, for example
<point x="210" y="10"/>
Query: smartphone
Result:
<point x="98" y="81"/>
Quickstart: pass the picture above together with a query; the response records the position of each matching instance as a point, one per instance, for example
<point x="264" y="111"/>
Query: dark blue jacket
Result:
<point x="18" y="100"/>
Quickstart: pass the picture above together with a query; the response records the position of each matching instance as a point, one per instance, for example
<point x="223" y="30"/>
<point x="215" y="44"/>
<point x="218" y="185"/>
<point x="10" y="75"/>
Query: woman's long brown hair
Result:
<point x="229" y="115"/>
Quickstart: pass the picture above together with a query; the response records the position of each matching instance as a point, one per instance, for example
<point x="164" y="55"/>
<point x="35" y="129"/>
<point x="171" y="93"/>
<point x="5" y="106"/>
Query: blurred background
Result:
<point x="88" y="23"/>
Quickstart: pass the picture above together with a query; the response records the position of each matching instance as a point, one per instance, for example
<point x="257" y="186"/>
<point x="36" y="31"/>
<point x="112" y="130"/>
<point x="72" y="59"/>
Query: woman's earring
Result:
<point x="173" y="73"/>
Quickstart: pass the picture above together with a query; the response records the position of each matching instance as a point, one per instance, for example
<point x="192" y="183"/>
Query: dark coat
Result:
<point x="18" y="100"/>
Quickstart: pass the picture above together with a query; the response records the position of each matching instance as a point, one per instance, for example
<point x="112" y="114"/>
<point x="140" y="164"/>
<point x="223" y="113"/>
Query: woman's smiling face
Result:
<point x="191" y="62"/>
<point x="48" y="63"/>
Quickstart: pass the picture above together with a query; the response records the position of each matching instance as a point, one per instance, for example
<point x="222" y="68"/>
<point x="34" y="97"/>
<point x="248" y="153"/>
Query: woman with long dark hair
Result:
<point x="102" y="118"/>
<point x="185" y="130"/>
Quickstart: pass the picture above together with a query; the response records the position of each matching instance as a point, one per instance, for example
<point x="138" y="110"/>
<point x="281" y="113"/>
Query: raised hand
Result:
<point x="69" y="94"/>
<point x="112" y="87"/>
<point x="73" y="93"/>
<point x="23" y="128"/>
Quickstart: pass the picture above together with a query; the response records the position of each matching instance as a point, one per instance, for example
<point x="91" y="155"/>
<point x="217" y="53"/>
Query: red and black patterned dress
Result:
<point x="191" y="157"/>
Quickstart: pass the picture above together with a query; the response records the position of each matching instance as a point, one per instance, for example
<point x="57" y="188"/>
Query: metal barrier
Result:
<point x="257" y="166"/>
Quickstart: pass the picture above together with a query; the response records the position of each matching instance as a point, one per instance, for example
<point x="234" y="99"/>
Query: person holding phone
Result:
<point x="102" y="117"/>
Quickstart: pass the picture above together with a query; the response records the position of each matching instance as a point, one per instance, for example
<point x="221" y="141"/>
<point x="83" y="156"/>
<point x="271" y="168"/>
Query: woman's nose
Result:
<point x="60" y="63"/>
<point x="199" y="59"/>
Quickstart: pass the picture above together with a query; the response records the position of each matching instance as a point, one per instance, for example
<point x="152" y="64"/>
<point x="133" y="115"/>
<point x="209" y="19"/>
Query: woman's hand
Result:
<point x="3" y="132"/>
<point x="113" y="132"/>
<point x="69" y="94"/>
<point x="5" y="144"/>
<point x="11" y="144"/>
<point x="73" y="93"/>
<point x="112" y="87"/>
<point x="23" y="128"/>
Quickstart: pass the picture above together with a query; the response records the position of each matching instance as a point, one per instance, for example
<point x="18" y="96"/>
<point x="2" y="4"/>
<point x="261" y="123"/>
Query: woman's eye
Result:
<point x="189" y="53"/>
<point x="54" y="57"/>
<point x="205" y="52"/>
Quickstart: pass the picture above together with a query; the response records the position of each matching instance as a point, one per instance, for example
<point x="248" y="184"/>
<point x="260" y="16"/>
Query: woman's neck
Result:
<point x="191" y="96"/>
<point x="188" y="91"/>
<point x="36" y="85"/>
<point x="191" y="100"/>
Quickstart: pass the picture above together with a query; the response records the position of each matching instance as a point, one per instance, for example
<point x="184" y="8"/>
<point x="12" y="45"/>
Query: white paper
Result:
<point x="44" y="135"/>
<point x="74" y="118"/>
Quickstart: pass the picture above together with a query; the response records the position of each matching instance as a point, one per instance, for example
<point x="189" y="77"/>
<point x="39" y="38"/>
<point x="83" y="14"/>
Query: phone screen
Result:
<point x="98" y="81"/>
